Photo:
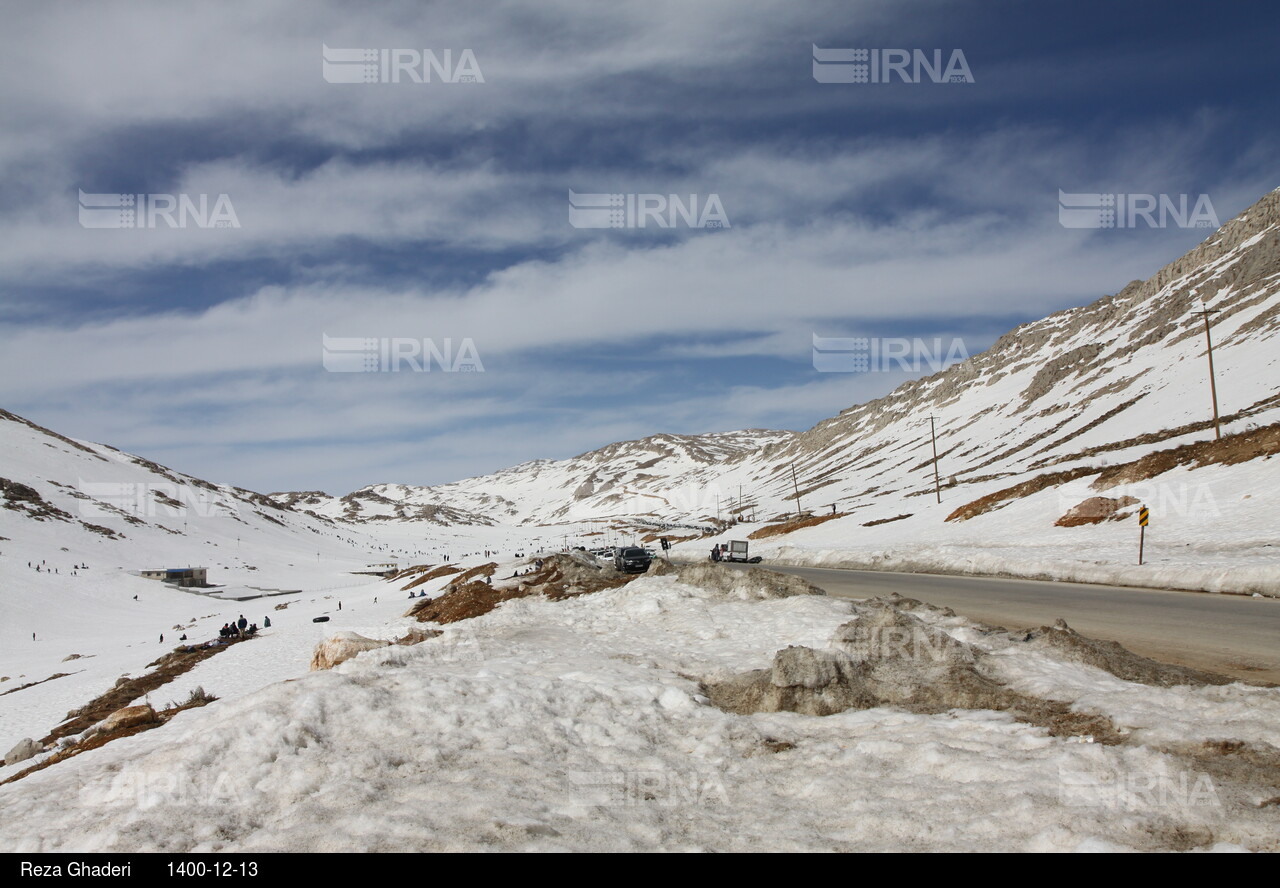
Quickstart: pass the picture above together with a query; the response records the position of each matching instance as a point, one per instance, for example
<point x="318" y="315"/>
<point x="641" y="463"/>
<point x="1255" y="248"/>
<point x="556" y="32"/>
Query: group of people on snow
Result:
<point x="242" y="628"/>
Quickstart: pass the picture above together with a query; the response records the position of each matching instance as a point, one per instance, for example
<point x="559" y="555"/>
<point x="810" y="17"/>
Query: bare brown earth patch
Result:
<point x="879" y="521"/>
<point x="1231" y="450"/>
<point x="791" y="526"/>
<point x="442" y="571"/>
<point x="1095" y="510"/>
<point x="560" y="577"/>
<point x="1164" y="434"/>
<point x="651" y="537"/>
<point x="1254" y="444"/>
<point x="167" y="668"/>
<point x="126" y="727"/>
<point x="32" y="684"/>
<point x="1001" y="498"/>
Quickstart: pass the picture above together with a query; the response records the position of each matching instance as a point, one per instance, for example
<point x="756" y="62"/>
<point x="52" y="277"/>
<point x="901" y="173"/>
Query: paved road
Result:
<point x="1231" y="634"/>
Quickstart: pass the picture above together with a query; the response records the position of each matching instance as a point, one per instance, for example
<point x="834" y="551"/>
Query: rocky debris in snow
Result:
<point x="888" y="657"/>
<point x="561" y="576"/>
<point x="24" y="498"/>
<point x="26" y="748"/>
<point x="126" y="718"/>
<point x="417" y="635"/>
<point x="342" y="647"/>
<point x="164" y="670"/>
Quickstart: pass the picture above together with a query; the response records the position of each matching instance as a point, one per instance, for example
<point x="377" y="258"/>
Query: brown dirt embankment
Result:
<point x="1261" y="443"/>
<point x="560" y="577"/>
<point x="770" y="530"/>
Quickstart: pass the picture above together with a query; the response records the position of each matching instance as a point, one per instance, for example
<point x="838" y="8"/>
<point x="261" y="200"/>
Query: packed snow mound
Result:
<point x="1066" y="643"/>
<point x="886" y="657"/>
<point x="751" y="584"/>
<point x="584" y="724"/>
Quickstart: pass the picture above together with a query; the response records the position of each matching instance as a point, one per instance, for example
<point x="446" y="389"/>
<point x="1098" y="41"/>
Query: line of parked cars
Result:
<point x="628" y="559"/>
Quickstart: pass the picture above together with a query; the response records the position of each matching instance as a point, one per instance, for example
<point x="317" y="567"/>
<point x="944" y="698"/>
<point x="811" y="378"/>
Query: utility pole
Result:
<point x="937" y="486"/>
<point x="1213" y="386"/>
<point x="796" y="485"/>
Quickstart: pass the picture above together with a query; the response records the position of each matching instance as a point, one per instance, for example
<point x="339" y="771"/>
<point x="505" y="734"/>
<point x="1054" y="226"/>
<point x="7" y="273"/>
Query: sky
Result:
<point x="430" y="211"/>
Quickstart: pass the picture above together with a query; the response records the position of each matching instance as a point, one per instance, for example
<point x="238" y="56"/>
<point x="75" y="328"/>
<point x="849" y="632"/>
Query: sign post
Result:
<point x="1144" y="516"/>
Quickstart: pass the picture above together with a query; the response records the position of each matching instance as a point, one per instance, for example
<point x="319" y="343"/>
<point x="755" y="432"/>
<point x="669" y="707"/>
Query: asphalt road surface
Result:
<point x="1232" y="635"/>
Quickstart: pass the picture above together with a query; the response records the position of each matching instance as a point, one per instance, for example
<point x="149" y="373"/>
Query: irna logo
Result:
<point x="146" y="210"/>
<point x="1125" y="210"/>
<point x="398" y="65"/>
<point x="396" y="354"/>
<point x="620" y="210"/>
<point x="886" y="65"/>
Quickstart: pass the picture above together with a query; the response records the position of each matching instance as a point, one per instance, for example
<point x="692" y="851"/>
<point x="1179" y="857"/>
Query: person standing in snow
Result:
<point x="162" y="638"/>
<point x="266" y="622"/>
<point x="242" y="623"/>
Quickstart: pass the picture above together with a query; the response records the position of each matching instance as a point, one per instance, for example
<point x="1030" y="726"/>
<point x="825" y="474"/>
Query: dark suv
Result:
<point x="631" y="559"/>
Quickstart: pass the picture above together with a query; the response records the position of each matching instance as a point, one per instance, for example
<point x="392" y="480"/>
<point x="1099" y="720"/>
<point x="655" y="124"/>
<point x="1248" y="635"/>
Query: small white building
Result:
<point x="179" y="576"/>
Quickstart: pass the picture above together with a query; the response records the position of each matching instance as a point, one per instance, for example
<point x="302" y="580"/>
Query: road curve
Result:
<point x="1233" y="635"/>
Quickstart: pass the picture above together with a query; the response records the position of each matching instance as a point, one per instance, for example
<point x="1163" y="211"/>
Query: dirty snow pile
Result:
<point x="603" y="723"/>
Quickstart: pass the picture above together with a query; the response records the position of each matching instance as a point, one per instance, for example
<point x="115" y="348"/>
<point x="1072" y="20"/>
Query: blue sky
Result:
<point x="440" y="210"/>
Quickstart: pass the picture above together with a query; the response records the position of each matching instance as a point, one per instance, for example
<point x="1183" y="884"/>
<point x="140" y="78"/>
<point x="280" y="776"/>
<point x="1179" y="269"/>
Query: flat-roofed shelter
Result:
<point x="180" y="576"/>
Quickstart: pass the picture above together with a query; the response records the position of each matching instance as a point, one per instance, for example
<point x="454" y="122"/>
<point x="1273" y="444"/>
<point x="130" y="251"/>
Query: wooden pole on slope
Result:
<point x="1213" y="386"/>
<point x="937" y="485"/>
<point x="796" y="485"/>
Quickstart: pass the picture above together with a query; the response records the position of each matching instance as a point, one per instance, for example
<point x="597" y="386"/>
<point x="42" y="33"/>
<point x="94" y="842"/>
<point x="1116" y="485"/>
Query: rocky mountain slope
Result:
<point x="1088" y="387"/>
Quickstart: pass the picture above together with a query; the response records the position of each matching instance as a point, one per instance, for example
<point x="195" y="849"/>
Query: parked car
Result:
<point x="632" y="559"/>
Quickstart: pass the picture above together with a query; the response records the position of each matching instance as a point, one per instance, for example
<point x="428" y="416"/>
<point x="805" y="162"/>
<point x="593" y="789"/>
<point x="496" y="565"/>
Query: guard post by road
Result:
<point x="1144" y="517"/>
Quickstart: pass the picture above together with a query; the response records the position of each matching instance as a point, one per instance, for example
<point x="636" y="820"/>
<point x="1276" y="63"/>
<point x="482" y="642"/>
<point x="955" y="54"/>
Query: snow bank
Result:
<point x="582" y="725"/>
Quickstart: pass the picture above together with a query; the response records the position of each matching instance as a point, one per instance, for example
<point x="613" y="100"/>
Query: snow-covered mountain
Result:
<point x="65" y="503"/>
<point x="1090" y="387"/>
<point x="1105" y="404"/>
<point x="641" y="478"/>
